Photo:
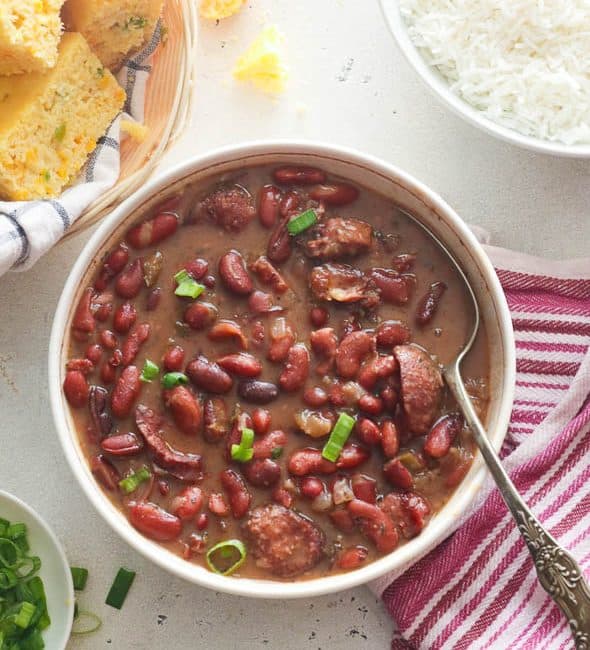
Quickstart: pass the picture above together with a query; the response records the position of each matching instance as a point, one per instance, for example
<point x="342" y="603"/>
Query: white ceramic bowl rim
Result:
<point x="435" y="531"/>
<point x="437" y="84"/>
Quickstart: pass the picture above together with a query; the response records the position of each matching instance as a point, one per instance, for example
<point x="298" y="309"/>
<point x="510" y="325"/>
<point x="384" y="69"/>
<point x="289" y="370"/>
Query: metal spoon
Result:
<point x="557" y="571"/>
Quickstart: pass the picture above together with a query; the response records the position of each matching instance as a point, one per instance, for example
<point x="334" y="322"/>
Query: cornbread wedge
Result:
<point x="50" y="122"/>
<point x="114" y="29"/>
<point x="29" y="35"/>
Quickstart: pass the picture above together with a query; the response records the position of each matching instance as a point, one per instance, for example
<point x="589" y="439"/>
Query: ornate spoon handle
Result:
<point x="558" y="572"/>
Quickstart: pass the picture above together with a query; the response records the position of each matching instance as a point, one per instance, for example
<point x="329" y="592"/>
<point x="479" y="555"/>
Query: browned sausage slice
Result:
<point x="337" y="237"/>
<point x="421" y="386"/>
<point x="232" y="208"/>
<point x="283" y="541"/>
<point x="339" y="282"/>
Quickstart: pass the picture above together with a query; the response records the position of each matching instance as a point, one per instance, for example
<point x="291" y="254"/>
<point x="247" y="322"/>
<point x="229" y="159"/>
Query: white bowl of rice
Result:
<point x="517" y="69"/>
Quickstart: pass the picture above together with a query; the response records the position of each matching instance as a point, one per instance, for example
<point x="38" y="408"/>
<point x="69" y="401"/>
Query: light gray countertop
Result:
<point x="357" y="91"/>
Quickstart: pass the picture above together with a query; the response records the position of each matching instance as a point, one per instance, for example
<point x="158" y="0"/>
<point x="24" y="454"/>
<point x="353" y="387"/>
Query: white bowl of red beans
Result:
<point x="245" y="369"/>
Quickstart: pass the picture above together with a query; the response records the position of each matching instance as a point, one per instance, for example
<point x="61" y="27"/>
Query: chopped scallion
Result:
<point x="302" y="222"/>
<point x="79" y="577"/>
<point x="130" y="483"/>
<point x="338" y="437"/>
<point x="187" y="287"/>
<point x="172" y="379"/>
<point x="85" y="623"/>
<point x="120" y="588"/>
<point x="150" y="371"/>
<point x="244" y="451"/>
<point x="24" y="615"/>
<point x="218" y="556"/>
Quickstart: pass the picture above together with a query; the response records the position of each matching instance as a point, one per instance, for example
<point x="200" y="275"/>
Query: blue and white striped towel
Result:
<point x="28" y="229"/>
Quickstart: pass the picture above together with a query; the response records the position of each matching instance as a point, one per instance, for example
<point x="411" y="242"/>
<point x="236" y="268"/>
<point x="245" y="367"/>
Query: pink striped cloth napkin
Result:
<point x="478" y="589"/>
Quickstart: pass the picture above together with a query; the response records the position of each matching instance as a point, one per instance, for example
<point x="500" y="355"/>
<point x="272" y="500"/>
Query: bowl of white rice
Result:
<point x="518" y="69"/>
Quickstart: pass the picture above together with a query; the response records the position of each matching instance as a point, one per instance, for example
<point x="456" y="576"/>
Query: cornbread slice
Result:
<point x="218" y="9"/>
<point x="50" y="122"/>
<point x="114" y="29"/>
<point x="29" y="35"/>
<point x="262" y="63"/>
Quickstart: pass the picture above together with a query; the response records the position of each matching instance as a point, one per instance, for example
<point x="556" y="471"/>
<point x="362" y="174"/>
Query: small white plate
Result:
<point x="55" y="570"/>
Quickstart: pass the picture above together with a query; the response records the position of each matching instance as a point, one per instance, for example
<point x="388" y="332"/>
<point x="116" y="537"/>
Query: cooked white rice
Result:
<point x="524" y="63"/>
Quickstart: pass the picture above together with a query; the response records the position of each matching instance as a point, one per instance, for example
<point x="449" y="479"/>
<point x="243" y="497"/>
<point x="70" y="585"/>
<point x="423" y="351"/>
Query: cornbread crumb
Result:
<point x="134" y="130"/>
<point x="29" y="35"/>
<point x="50" y="121"/>
<point x="114" y="29"/>
<point x="262" y="62"/>
<point x="218" y="9"/>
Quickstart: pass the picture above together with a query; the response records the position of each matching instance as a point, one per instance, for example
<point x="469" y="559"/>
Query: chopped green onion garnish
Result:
<point x="302" y="222"/>
<point x="150" y="371"/>
<point x="130" y="483"/>
<point x="338" y="437"/>
<point x="25" y="614"/>
<point x="120" y="588"/>
<point x="172" y="379"/>
<point x="224" y="551"/>
<point x="187" y="287"/>
<point x="244" y="451"/>
<point x="85" y="622"/>
<point x="277" y="452"/>
<point x="79" y="577"/>
<point x="15" y="531"/>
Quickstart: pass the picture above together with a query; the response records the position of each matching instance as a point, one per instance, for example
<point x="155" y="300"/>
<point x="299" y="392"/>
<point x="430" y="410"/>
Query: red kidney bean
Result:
<point x="104" y="472"/>
<point x="390" y="397"/>
<point x="377" y="525"/>
<point x="352" y="558"/>
<point x="202" y="521"/>
<point x="185" y="408"/>
<point x="108" y="339"/>
<point x="368" y="432"/>
<point x="311" y="487"/>
<point x="441" y="436"/>
<point x="282" y="497"/>
<point x="94" y="353"/>
<point x="269" y="198"/>
<point x="85" y="366"/>
<point x="319" y="316"/>
<point x="398" y="474"/>
<point x="173" y="359"/>
<point x="237" y="493"/>
<point x="258" y="334"/>
<point x="103" y="313"/>
<point x="337" y="394"/>
<point x="279" y="244"/>
<point x="352" y="456"/>
<point x="209" y="281"/>
<point x="107" y="373"/>
<point x="76" y="388"/>
<point x="130" y="282"/>
<point x="267" y="446"/>
<point x="417" y="509"/>
<point x="391" y="333"/>
<point x="227" y="329"/>
<point x="315" y="396"/>
<point x="154" y="522"/>
<point x="217" y="504"/>
<point x="200" y="315"/>
<point x="324" y="342"/>
<point x="389" y="438"/>
<point x="262" y="473"/>
<point x="124" y="318"/>
<point x="300" y="175"/>
<point x="404" y="262"/>
<point x="153" y="299"/>
<point x="296" y="369"/>
<point x="376" y="368"/>
<point x="208" y="375"/>
<point x="122" y="444"/>
<point x="102" y="421"/>
<point x="83" y="322"/>
<point x="335" y="193"/>
<point x="342" y="520"/>
<point x="261" y="421"/>
<point x="116" y="359"/>
<point x="351" y="351"/>
<point x="257" y="392"/>
<point x="282" y="338"/>
<point x="186" y="505"/>
<point x="215" y="419"/>
<point x="135" y="339"/>
<point x="233" y="273"/>
<point x="197" y="268"/>
<point x="364" y="487"/>
<point x="371" y="404"/>
<point x="152" y="231"/>
<point x="260" y="302"/>
<point x="241" y="364"/>
<point x="269" y="275"/>
<point x="125" y="393"/>
<point x="309" y="461"/>
<point x="393" y="287"/>
<point x="114" y="263"/>
<point x="428" y="305"/>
